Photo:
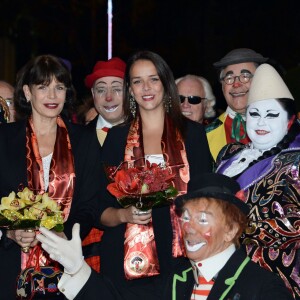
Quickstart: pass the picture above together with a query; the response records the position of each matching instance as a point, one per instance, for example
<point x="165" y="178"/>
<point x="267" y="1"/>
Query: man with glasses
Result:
<point x="106" y="84"/>
<point x="236" y="70"/>
<point x="197" y="98"/>
<point x="7" y="93"/>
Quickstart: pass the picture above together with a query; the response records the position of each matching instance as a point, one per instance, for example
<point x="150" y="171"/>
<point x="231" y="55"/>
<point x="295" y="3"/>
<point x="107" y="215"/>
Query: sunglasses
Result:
<point x="191" y="99"/>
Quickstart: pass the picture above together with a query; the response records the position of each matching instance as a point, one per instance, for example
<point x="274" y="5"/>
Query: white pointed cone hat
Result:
<point x="267" y="84"/>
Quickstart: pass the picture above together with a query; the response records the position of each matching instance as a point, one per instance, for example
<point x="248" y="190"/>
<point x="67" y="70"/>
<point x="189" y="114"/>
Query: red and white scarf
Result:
<point x="61" y="175"/>
<point x="140" y="254"/>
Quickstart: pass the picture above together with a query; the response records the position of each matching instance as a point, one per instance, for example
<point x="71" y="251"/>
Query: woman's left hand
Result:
<point x="25" y="238"/>
<point x="140" y="216"/>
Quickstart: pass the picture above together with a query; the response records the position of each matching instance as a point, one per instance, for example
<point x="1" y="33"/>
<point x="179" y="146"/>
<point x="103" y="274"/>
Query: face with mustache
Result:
<point x="204" y="228"/>
<point x="236" y="94"/>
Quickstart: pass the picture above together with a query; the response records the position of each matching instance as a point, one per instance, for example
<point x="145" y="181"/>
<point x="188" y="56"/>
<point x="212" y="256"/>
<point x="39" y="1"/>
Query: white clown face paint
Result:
<point x="204" y="229"/>
<point x="267" y="123"/>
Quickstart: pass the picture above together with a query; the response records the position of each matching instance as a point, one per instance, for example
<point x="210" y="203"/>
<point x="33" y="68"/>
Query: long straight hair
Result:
<point x="170" y="89"/>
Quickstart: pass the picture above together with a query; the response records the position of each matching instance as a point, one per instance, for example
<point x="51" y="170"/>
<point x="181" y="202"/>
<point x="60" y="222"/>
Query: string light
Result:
<point x="109" y="17"/>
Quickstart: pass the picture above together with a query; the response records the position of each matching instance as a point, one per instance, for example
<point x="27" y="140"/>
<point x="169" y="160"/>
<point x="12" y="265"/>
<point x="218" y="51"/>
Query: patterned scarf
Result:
<point x="140" y="252"/>
<point x="61" y="176"/>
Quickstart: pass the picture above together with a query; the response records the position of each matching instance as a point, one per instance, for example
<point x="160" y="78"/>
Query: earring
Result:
<point x="167" y="104"/>
<point x="132" y="105"/>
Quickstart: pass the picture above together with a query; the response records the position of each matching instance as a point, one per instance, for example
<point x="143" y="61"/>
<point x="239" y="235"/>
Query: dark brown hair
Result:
<point x="41" y="70"/>
<point x="166" y="76"/>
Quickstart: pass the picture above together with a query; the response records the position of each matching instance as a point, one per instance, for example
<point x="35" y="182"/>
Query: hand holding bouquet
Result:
<point x="144" y="187"/>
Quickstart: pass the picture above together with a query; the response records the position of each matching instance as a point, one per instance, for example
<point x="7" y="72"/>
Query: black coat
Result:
<point x="112" y="244"/>
<point x="253" y="283"/>
<point x="92" y="125"/>
<point x="84" y="208"/>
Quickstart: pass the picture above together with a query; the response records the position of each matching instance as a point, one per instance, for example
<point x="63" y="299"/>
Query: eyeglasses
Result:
<point x="191" y="99"/>
<point x="243" y="78"/>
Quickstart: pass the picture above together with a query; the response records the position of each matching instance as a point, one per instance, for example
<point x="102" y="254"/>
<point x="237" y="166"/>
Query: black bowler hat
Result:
<point x="238" y="56"/>
<point x="218" y="186"/>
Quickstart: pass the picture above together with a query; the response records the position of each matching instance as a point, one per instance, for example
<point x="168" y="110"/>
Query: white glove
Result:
<point x="67" y="253"/>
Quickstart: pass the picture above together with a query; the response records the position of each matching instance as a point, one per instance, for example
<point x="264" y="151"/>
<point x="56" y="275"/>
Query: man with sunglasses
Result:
<point x="197" y="98"/>
<point x="236" y="70"/>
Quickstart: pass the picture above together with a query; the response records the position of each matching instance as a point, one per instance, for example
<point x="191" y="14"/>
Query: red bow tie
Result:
<point x="105" y="129"/>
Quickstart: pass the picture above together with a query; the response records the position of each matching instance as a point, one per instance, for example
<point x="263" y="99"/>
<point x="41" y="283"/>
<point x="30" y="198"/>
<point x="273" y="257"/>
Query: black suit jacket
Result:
<point x="92" y="124"/>
<point x="112" y="243"/>
<point x="253" y="283"/>
<point x="85" y="203"/>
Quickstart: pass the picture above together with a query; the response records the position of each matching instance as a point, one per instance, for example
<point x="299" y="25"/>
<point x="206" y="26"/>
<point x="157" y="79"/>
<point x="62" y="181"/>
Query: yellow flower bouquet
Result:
<point x="26" y="210"/>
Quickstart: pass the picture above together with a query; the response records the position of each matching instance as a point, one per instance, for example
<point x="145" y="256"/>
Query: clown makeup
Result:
<point x="204" y="229"/>
<point x="107" y="93"/>
<point x="267" y="123"/>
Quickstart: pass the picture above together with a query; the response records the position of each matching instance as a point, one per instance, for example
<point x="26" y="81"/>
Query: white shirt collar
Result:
<point x="101" y="122"/>
<point x="211" y="266"/>
<point x="231" y="113"/>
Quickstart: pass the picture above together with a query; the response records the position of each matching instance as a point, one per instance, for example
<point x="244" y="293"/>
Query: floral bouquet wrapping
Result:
<point x="26" y="210"/>
<point x="144" y="187"/>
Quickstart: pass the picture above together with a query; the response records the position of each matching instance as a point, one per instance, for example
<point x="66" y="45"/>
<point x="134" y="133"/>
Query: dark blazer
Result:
<point x="99" y="287"/>
<point x="253" y="283"/>
<point x="92" y="124"/>
<point x="84" y="209"/>
<point x="112" y="243"/>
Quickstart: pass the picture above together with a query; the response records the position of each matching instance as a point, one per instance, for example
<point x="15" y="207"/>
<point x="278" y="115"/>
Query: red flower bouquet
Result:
<point x="145" y="187"/>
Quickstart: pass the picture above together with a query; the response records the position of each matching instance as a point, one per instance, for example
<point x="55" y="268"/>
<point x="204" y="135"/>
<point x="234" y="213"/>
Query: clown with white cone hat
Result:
<point x="267" y="84"/>
<point x="267" y="169"/>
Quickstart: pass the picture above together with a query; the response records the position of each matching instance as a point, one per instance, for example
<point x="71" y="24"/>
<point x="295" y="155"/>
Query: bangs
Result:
<point x="46" y="69"/>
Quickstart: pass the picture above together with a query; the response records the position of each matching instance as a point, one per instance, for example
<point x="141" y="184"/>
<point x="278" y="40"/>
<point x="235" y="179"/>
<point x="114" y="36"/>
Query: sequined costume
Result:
<point x="272" y="188"/>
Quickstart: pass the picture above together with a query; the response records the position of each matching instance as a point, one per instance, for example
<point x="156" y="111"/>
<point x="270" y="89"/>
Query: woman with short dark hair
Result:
<point x="46" y="153"/>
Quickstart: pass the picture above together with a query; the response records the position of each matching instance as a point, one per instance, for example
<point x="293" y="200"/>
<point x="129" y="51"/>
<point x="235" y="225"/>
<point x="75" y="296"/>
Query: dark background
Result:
<point x="190" y="35"/>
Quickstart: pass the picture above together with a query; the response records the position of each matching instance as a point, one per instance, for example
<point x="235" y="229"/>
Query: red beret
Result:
<point x="112" y="67"/>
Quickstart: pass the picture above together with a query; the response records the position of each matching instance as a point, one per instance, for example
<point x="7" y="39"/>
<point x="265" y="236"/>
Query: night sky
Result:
<point x="189" y="35"/>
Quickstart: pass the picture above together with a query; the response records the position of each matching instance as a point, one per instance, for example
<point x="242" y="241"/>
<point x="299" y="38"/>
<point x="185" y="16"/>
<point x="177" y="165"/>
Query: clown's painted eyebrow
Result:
<point x="242" y="72"/>
<point x="270" y="113"/>
<point x="103" y="82"/>
<point x="269" y="110"/>
<point x="198" y="212"/>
